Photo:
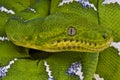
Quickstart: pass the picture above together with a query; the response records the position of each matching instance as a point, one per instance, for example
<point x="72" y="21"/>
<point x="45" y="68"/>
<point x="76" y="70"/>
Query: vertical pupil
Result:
<point x="71" y="31"/>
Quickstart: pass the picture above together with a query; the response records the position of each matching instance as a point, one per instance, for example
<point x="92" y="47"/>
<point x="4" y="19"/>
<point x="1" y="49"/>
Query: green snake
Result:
<point x="54" y="32"/>
<point x="54" y="28"/>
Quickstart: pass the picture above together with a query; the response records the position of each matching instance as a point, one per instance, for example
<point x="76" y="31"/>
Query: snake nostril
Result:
<point x="105" y="35"/>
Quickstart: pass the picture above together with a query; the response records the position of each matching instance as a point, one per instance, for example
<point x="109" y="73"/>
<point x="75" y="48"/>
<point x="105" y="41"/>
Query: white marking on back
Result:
<point x="3" y="9"/>
<point x="48" y="71"/>
<point x="97" y="77"/>
<point x="116" y="45"/>
<point x="111" y="1"/>
<point x="85" y="3"/>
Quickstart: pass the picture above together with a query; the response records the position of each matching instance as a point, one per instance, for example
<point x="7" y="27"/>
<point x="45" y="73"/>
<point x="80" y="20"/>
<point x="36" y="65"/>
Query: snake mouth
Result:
<point x="76" y="45"/>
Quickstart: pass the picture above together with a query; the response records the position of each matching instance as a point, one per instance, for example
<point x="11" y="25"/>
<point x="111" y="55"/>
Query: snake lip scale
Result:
<point x="75" y="45"/>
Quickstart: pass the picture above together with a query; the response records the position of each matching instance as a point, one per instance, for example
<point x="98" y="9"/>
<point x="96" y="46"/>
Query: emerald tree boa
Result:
<point x="71" y="30"/>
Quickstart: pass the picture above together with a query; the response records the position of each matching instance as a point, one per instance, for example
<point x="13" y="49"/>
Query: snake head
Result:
<point x="67" y="32"/>
<point x="60" y="32"/>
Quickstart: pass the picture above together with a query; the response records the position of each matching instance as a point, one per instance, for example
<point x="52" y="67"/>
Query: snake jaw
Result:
<point x="69" y="45"/>
<point x="75" y="45"/>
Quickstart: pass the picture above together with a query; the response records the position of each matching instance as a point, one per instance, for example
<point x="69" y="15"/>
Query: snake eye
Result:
<point x="71" y="31"/>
